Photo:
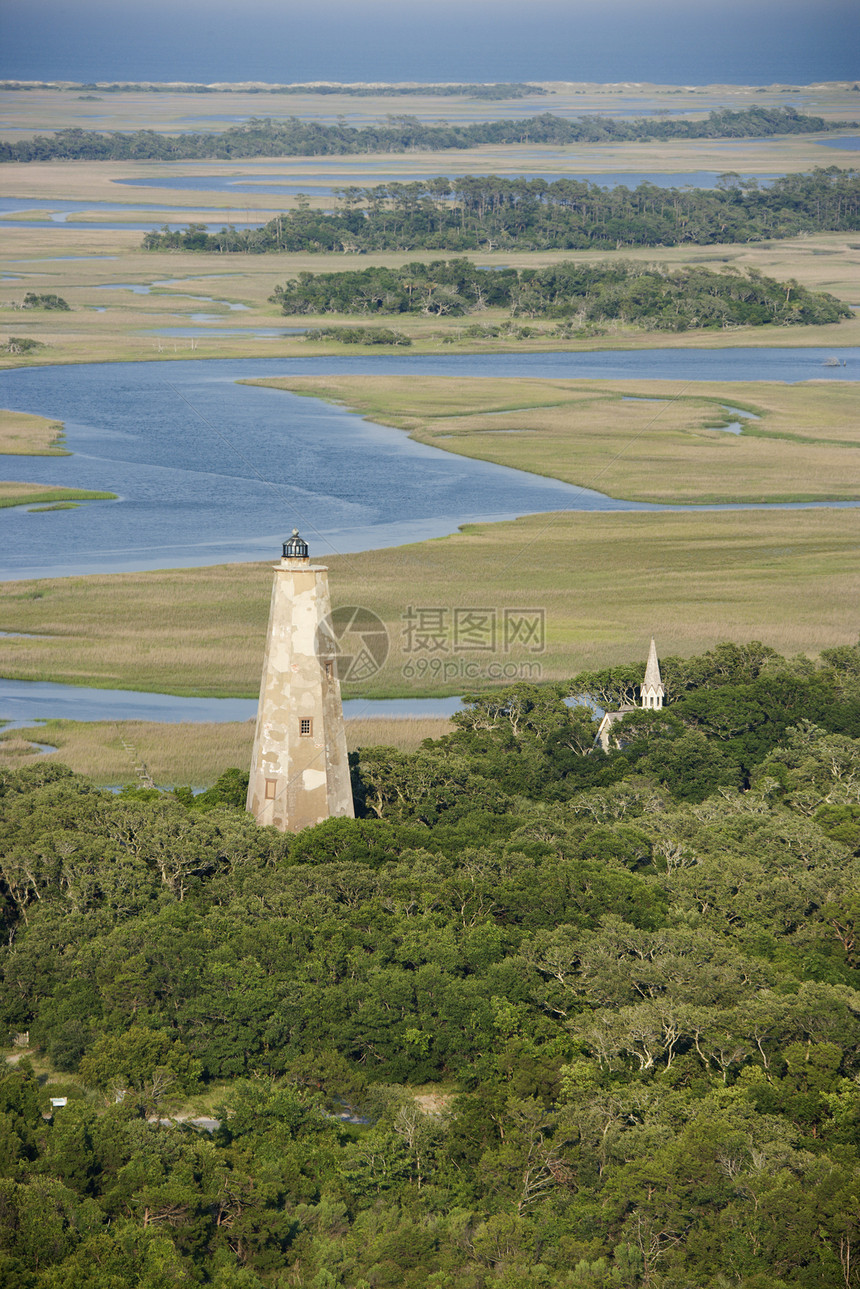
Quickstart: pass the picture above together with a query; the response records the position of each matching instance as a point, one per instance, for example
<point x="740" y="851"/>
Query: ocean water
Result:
<point x="693" y="42"/>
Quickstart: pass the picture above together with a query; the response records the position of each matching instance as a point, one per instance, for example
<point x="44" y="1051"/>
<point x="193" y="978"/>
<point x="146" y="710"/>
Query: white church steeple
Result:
<point x="652" y="691"/>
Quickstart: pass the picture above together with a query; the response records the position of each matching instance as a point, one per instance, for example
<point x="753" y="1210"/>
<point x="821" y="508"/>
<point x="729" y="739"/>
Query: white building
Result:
<point x="652" y="692"/>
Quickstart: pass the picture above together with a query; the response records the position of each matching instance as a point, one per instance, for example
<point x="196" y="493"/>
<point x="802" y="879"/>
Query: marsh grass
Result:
<point x="607" y="582"/>
<point x="406" y="733"/>
<point x="123" y="332"/>
<point x="22" y="434"/>
<point x="193" y="754"/>
<point x="640" y="440"/>
<point x="23" y="494"/>
<point x="181" y="754"/>
<point x="187" y="631"/>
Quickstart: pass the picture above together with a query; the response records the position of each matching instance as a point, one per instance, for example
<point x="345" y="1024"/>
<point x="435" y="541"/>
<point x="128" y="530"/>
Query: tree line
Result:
<point x="268" y="137"/>
<point x="644" y="295"/>
<point x="490" y="90"/>
<point x="492" y="212"/>
<point x="635" y="973"/>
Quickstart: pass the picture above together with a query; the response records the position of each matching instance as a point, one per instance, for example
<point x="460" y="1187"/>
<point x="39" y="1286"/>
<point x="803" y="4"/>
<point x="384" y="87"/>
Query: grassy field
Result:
<point x="182" y="754"/>
<point x="24" y="435"/>
<point x="117" y="324"/>
<point x="643" y="441"/>
<point x="48" y="498"/>
<point x="605" y="581"/>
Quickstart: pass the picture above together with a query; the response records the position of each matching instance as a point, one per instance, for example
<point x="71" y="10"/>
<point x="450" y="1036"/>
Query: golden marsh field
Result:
<point x="655" y="441"/>
<point x="182" y="754"/>
<point x="110" y="322"/>
<point x="606" y="581"/>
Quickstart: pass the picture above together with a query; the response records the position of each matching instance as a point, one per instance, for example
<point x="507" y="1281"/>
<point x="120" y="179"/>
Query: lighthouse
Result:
<point x="299" y="766"/>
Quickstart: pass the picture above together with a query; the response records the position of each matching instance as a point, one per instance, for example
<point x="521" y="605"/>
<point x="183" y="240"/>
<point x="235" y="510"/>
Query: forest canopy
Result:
<point x="632" y="977"/>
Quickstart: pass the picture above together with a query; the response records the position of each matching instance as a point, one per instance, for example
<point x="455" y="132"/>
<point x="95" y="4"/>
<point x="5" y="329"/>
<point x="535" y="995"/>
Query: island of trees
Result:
<point x="43" y="300"/>
<point x="267" y="137"/>
<point x="649" y="295"/>
<point x="630" y="979"/>
<point x="491" y="212"/>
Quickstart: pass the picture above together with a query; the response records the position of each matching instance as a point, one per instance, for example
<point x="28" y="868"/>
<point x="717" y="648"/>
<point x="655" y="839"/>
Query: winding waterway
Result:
<point x="210" y="471"/>
<point x="24" y="703"/>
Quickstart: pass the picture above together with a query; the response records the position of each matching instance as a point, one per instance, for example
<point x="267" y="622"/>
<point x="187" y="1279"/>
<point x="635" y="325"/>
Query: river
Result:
<point x="209" y="471"/>
<point x="24" y="703"/>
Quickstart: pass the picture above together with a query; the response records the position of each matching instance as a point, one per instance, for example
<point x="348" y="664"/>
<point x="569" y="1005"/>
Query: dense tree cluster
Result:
<point x="44" y="300"/>
<point x="267" y="137"/>
<point x="638" y="973"/>
<point x="649" y="295"/>
<point x="490" y="212"/>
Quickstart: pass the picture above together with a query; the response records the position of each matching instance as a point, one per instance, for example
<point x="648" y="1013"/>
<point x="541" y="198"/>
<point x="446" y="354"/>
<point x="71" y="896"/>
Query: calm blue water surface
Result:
<point x="210" y="471"/>
<point x="25" y="702"/>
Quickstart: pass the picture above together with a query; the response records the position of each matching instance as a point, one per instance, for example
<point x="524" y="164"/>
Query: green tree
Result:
<point x="149" y="1063"/>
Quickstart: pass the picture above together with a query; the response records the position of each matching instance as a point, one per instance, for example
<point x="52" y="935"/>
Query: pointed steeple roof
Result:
<point x="652" y="679"/>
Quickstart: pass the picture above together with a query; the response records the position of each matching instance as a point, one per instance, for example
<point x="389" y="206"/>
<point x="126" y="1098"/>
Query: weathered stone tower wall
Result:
<point x="299" y="767"/>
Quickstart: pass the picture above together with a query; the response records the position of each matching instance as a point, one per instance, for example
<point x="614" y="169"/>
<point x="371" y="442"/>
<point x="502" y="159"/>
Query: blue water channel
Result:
<point x="64" y="212"/>
<point x="24" y="703"/>
<point x="209" y="471"/>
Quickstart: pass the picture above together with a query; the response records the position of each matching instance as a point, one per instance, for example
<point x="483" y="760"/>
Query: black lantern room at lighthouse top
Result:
<point x="295" y="547"/>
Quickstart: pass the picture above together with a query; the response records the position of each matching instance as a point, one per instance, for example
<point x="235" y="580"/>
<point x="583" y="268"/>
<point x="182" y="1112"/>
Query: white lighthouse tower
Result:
<point x="299" y="767"/>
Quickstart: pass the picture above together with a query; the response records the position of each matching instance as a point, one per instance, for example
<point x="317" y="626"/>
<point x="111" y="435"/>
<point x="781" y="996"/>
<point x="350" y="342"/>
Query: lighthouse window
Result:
<point x="305" y="726"/>
<point x="329" y="670"/>
<point x="271" y="789"/>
